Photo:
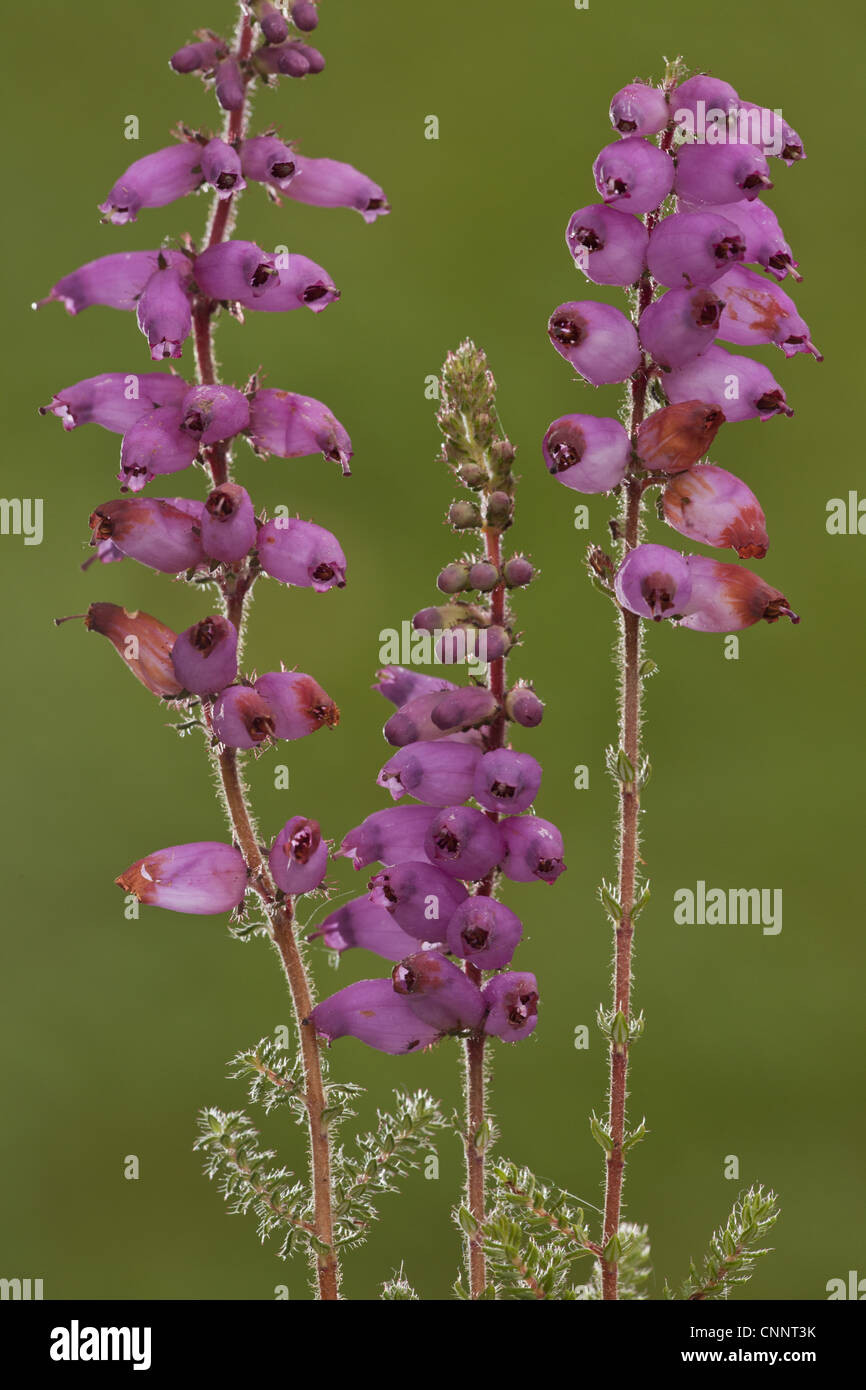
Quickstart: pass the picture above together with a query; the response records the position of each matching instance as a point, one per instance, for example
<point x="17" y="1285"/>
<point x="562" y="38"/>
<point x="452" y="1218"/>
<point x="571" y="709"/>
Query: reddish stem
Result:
<point x="630" y="646"/>
<point x="235" y="584"/>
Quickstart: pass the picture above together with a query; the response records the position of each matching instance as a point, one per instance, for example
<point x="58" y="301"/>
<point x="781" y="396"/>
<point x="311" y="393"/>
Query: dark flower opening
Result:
<point x="730" y="248"/>
<point x="475" y="937"/>
<point x="503" y="790"/>
<point x="323" y="572"/>
<point x="568" y="329"/>
<point x="448" y="842"/>
<point x="588" y="239"/>
<point x="616" y="188"/>
<point x="625" y="127"/>
<point x="772" y="403"/>
<point x="283" y="169"/>
<point x="193" y="421"/>
<point x="220" y="505"/>
<point x="314" y="292"/>
<point x="206" y="636"/>
<point x="260" y="728"/>
<point x="708" y="309"/>
<point x="523" y="1008"/>
<point x="756" y="180"/>
<point x="226" y="181"/>
<point x="260" y="276"/>
<point x="303" y="844"/>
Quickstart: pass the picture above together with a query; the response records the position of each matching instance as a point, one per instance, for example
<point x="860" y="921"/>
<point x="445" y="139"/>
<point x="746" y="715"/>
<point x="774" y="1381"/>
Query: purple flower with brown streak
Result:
<point x="221" y="539"/>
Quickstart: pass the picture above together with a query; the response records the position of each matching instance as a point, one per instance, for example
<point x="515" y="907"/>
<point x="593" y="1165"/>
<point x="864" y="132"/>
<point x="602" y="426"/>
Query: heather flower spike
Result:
<point x="692" y="283"/>
<point x="219" y="539"/>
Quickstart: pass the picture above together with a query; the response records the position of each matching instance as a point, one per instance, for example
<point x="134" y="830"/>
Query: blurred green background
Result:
<point x="114" y="1033"/>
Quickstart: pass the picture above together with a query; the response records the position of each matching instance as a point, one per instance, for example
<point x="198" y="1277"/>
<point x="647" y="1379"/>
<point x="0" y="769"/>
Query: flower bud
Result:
<point x="511" y="1004"/>
<point x="693" y="248"/>
<point x="714" y="507"/>
<point x="142" y="642"/>
<point x="154" y="181"/>
<point x="506" y="782"/>
<point x="654" y="582"/>
<point x="523" y="706"/>
<point x="115" y="401"/>
<point x="463" y="842"/>
<point x="633" y="175"/>
<point x="164" y="314"/>
<point x="116" y="281"/>
<point x="757" y="311"/>
<point x="483" y="576"/>
<point x="361" y="923"/>
<point x="205" y="656"/>
<point x="398" y="684"/>
<point x="454" y="578"/>
<point x="464" y="641"/>
<point x="236" y="270"/>
<point x="589" y="453"/>
<point x="155" y="445"/>
<point x="265" y="159"/>
<point x="518" y="572"/>
<point x="151" y="531"/>
<point x="499" y="512"/>
<point x="373" y="1012"/>
<point x="743" y="388"/>
<point x="298" y="704"/>
<point x="639" y="110"/>
<point x="212" y="413"/>
<point x="674" y="438"/>
<point x="727" y="598"/>
<point x="681" y="325"/>
<point x="304" y="15"/>
<point x="301" y="553"/>
<point x="472" y="475"/>
<point x="464" y="516"/>
<point x="439" y="773"/>
<point x="484" y="932"/>
<point x="533" y="849"/>
<point x="607" y="245"/>
<point x="221" y="167"/>
<point x="229" y="84"/>
<point x="598" y="340"/>
<point x="465" y="707"/>
<point x="299" y="856"/>
<point x="393" y="836"/>
<point x="326" y="183"/>
<point x="721" y="173"/>
<point x="228" y="524"/>
<point x="439" y="992"/>
<point x="242" y="718"/>
<point x="201" y="878"/>
<point x="412" y="721"/>
<point x="419" y="897"/>
<point x="274" y="25"/>
<point x="293" y="426"/>
<point x="199" y="57"/>
<point x="711" y="92"/>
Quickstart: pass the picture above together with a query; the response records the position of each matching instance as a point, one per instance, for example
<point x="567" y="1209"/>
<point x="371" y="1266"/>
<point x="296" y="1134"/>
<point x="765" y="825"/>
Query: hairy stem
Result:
<point x="476" y="1071"/>
<point x="235" y="583"/>
<point x="630" y="648"/>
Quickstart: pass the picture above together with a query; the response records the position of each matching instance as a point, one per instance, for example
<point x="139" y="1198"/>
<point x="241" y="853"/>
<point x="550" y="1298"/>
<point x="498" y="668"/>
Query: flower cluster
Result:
<point x="432" y="907"/>
<point x="168" y="424"/>
<point x="683" y="215"/>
